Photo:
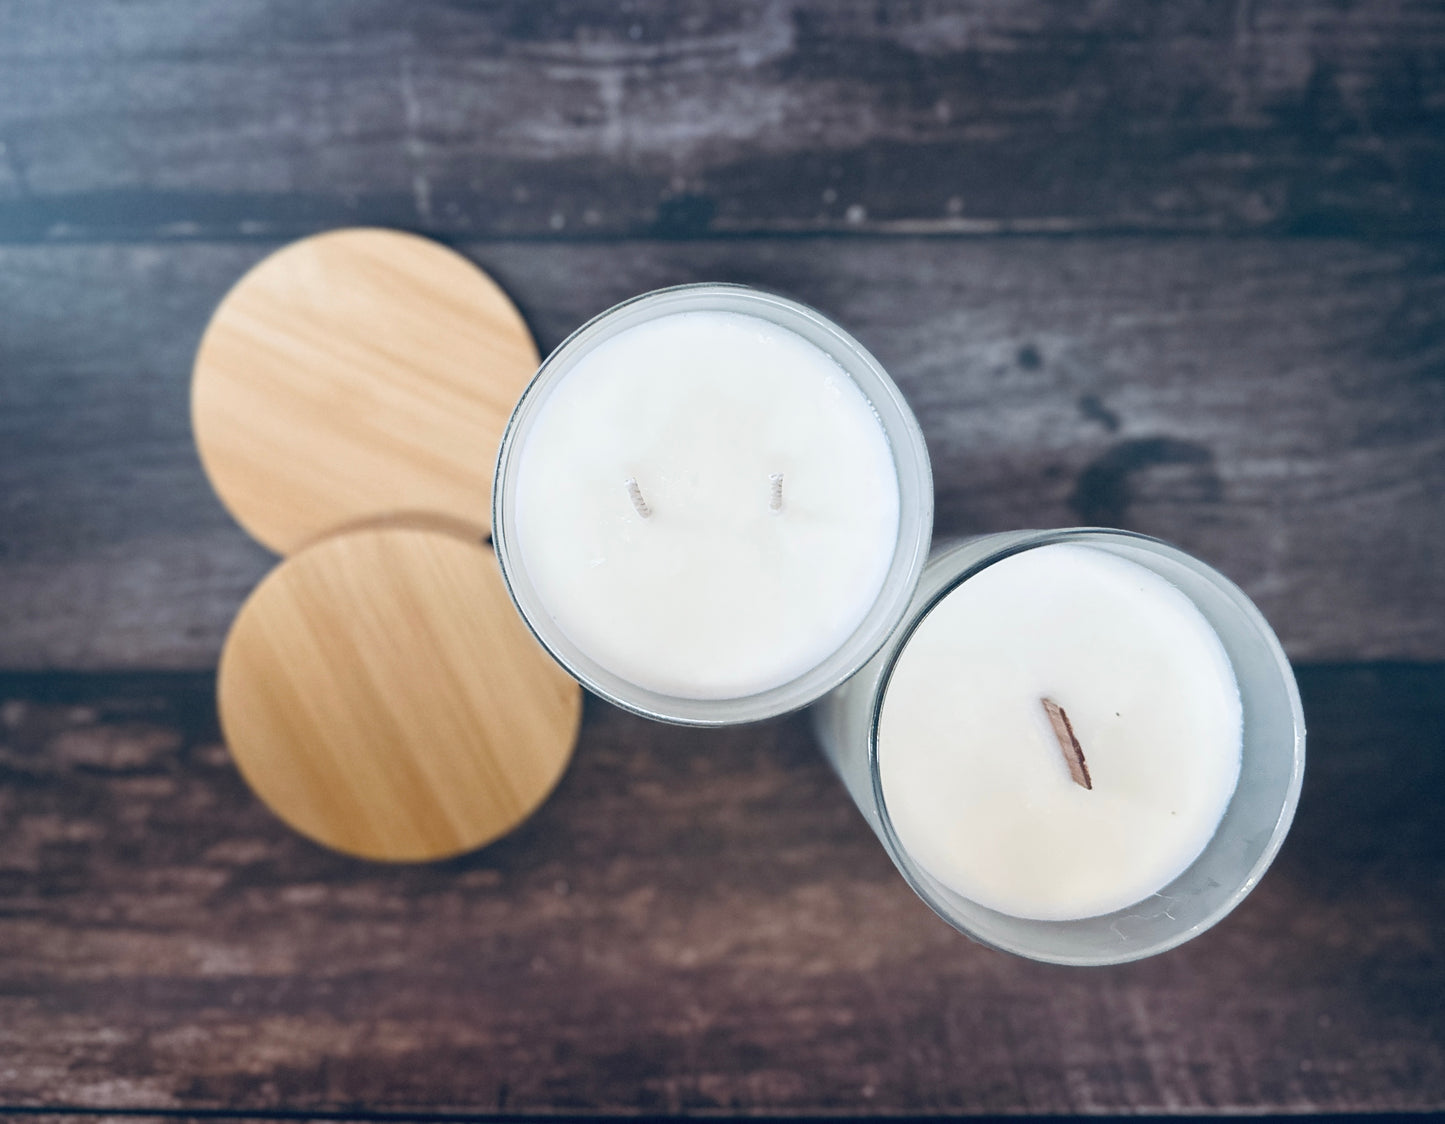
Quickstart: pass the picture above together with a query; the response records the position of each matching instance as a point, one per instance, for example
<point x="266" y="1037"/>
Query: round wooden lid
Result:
<point x="379" y="692"/>
<point x="357" y="373"/>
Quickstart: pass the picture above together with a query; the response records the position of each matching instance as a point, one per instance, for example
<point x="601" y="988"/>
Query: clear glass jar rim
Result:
<point x="910" y="456"/>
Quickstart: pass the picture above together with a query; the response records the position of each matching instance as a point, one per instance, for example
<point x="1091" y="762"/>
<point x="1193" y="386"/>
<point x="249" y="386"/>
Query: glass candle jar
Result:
<point x="1235" y="840"/>
<point x="712" y="505"/>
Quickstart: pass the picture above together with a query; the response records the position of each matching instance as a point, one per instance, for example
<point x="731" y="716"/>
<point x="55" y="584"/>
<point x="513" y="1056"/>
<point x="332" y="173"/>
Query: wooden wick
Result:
<point x="1073" y="752"/>
<point x="775" y="503"/>
<point x="634" y="493"/>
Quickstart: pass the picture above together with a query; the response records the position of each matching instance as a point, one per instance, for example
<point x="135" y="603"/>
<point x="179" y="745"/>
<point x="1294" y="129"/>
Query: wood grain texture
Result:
<point x="356" y="374"/>
<point x="140" y="120"/>
<point x="71" y="1114"/>
<point x="380" y="693"/>
<point x="1274" y="407"/>
<point x="696" y="920"/>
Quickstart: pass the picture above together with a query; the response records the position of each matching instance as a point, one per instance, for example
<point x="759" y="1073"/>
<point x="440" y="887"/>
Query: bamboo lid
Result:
<point x="357" y="373"/>
<point x="379" y="692"/>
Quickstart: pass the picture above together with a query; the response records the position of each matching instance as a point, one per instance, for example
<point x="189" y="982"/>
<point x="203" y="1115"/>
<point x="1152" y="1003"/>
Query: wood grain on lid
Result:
<point x="379" y="692"/>
<point x="357" y="373"/>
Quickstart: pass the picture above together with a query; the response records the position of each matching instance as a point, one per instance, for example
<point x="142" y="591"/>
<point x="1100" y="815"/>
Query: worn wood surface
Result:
<point x="1276" y="407"/>
<point x="697" y="919"/>
<point x="1238" y="344"/>
<point x="268" y="118"/>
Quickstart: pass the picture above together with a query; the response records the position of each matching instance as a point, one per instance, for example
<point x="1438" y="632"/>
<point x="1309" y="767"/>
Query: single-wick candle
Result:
<point x="1060" y="736"/>
<point x="651" y="516"/>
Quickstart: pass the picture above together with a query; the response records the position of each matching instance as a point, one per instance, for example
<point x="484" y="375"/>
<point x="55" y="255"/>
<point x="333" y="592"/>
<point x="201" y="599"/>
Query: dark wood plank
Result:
<point x="89" y="1116"/>
<point x="1277" y="408"/>
<point x="696" y="920"/>
<point x="73" y="1115"/>
<point x="150" y="119"/>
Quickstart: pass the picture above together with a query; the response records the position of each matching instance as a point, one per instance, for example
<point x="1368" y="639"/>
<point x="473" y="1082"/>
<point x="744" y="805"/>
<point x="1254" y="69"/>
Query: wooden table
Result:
<point x="1178" y="268"/>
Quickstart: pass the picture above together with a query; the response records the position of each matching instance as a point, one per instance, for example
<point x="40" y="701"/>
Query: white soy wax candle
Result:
<point x="1060" y="736"/>
<point x="1082" y="746"/>
<point x="712" y="505"/>
<point x="707" y="504"/>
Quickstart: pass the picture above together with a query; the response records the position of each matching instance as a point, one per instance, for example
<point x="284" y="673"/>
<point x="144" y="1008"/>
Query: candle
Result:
<point x="707" y="504"/>
<point x="1060" y="736"/>
<point x="1082" y="746"/>
<point x="712" y="505"/>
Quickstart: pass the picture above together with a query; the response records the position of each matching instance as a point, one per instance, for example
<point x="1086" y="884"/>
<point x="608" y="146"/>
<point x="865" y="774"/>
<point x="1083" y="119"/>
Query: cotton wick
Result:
<point x="634" y="493"/>
<point x="775" y="502"/>
<point x="1068" y="743"/>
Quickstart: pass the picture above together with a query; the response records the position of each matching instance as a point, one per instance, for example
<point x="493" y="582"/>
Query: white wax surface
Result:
<point x="715" y="595"/>
<point x="973" y="778"/>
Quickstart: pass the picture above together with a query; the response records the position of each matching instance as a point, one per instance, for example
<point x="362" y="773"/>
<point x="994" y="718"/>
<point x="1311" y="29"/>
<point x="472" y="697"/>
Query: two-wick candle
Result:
<point x="712" y="505"/>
